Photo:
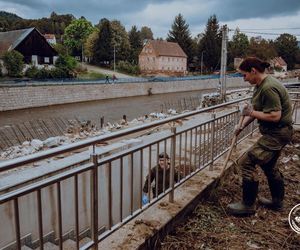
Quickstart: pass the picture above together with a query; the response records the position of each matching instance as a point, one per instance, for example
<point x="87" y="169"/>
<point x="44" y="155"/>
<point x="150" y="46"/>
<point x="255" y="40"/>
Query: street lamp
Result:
<point x="202" y="61"/>
<point x="114" y="57"/>
<point x="81" y="53"/>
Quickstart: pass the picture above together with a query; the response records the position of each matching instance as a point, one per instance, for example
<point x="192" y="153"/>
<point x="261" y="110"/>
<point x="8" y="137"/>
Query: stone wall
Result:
<point x="12" y="98"/>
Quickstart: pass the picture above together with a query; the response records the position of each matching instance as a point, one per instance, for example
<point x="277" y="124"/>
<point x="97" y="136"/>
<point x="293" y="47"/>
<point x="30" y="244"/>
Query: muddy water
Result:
<point x="112" y="109"/>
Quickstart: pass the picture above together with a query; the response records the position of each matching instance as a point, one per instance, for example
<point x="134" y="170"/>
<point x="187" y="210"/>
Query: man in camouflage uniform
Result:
<point x="271" y="107"/>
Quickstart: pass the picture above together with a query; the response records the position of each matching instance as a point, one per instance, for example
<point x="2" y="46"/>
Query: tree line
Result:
<point x="108" y="40"/>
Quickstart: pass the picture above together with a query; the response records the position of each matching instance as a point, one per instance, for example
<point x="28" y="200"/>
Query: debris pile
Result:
<point x="78" y="130"/>
<point x="75" y="132"/>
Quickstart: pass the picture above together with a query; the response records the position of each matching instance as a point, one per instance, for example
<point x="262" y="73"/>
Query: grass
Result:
<point x="91" y="75"/>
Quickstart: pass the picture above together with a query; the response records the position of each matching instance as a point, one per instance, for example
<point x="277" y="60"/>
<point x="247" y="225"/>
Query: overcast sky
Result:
<point x="159" y="15"/>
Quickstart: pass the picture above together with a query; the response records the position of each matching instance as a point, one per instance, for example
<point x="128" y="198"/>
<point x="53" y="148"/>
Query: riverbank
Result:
<point x="22" y="97"/>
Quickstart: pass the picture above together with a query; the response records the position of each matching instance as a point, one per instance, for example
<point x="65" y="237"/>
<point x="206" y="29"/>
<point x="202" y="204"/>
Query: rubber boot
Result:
<point x="277" y="193"/>
<point x="246" y="207"/>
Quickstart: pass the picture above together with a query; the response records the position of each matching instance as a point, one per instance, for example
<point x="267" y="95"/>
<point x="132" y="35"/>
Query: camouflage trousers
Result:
<point x="266" y="159"/>
<point x="265" y="153"/>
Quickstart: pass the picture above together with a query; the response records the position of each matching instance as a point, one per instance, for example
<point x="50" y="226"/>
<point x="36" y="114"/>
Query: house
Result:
<point x="31" y="44"/>
<point x="236" y="62"/>
<point x="162" y="58"/>
<point x="50" y="38"/>
<point x="278" y="67"/>
<point x="278" y="63"/>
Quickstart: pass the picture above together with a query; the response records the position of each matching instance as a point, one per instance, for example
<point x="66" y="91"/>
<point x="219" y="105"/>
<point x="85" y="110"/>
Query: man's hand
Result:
<point x="237" y="130"/>
<point x="247" y="109"/>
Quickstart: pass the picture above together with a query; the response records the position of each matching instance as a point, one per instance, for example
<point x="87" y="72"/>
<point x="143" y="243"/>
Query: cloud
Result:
<point x="159" y="14"/>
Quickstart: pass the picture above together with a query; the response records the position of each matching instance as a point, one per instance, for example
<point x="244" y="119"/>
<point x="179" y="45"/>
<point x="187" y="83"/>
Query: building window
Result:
<point x="153" y="59"/>
<point x="148" y="59"/>
<point x="168" y="59"/>
<point x="46" y="60"/>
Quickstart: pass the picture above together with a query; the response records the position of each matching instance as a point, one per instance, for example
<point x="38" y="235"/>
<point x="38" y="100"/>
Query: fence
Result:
<point x="31" y="82"/>
<point x="116" y="181"/>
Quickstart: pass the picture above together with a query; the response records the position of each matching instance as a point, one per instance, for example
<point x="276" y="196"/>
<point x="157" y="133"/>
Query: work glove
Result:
<point x="247" y="109"/>
<point x="145" y="199"/>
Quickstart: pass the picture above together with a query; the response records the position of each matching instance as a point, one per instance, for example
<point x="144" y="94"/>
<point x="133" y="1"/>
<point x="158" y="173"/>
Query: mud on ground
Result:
<point x="210" y="227"/>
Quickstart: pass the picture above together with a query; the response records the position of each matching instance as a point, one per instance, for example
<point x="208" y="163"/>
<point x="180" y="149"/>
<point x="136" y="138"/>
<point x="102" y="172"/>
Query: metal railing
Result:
<point x="117" y="198"/>
<point x="71" y="81"/>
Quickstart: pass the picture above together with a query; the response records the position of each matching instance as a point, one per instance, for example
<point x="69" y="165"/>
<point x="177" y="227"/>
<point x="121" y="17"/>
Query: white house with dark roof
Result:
<point x="50" y="38"/>
<point x="31" y="44"/>
<point x="162" y="57"/>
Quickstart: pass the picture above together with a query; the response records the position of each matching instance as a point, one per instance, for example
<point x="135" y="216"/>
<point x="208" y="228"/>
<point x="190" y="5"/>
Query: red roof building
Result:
<point x="162" y="57"/>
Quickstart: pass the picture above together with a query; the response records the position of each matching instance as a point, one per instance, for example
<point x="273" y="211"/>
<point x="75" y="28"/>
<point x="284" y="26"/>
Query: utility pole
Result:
<point x="201" y="65"/>
<point x="223" y="62"/>
<point x="81" y="53"/>
<point x="114" y="57"/>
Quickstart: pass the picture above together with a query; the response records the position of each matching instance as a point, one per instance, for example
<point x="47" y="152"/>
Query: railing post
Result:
<point x="94" y="200"/>
<point x="212" y="145"/>
<point x="172" y="167"/>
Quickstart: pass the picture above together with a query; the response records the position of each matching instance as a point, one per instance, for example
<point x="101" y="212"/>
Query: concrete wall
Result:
<point x="12" y="98"/>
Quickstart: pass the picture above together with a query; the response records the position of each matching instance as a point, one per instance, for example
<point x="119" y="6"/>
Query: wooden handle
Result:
<point x="232" y="144"/>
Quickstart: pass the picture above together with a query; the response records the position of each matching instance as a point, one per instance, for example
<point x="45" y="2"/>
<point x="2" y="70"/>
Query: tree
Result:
<point x="13" y="62"/>
<point x="135" y="43"/>
<point x="60" y="48"/>
<point x="146" y="34"/>
<point x="238" y="46"/>
<point x="180" y="34"/>
<point x="76" y="34"/>
<point x="90" y="43"/>
<point x="210" y="44"/>
<point x="120" y="40"/>
<point x="64" y="67"/>
<point x="103" y="48"/>
<point x="287" y="47"/>
<point x="262" y="49"/>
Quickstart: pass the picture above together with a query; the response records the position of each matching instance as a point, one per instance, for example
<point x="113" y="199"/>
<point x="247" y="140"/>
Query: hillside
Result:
<point x="55" y="24"/>
<point x="9" y="16"/>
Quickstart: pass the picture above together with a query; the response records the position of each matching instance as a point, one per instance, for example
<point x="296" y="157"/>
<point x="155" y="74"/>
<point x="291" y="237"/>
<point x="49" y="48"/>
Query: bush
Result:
<point x="66" y="63"/>
<point x="57" y="73"/>
<point x="128" y="67"/>
<point x="31" y="72"/>
<point x="13" y="62"/>
<point x="43" y="74"/>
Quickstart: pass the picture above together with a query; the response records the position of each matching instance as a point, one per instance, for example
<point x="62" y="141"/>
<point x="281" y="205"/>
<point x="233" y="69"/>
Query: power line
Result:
<point x="274" y="29"/>
<point x="266" y="33"/>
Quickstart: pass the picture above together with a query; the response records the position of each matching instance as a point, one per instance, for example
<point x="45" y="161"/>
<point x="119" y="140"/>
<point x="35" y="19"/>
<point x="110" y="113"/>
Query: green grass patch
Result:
<point x="91" y="75"/>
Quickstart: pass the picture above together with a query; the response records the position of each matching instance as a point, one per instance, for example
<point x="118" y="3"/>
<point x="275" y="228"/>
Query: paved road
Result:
<point x="106" y="71"/>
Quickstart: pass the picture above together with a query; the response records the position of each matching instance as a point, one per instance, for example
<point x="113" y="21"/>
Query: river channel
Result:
<point x="112" y="110"/>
